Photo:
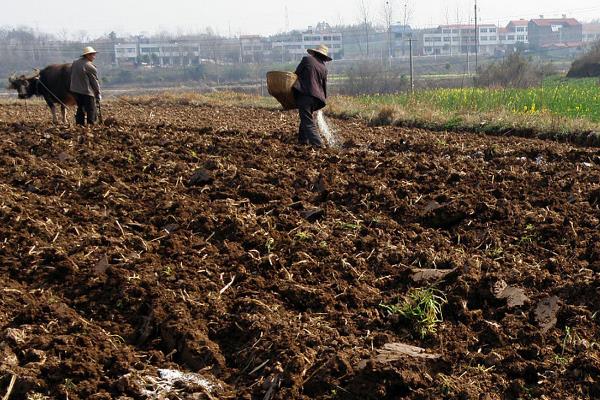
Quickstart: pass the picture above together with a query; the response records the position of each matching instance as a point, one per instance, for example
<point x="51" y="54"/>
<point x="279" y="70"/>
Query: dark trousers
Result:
<point x="86" y="106"/>
<point x="307" y="134"/>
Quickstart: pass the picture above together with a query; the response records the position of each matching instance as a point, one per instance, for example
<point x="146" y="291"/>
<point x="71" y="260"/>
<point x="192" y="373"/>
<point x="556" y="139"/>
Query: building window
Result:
<point x="483" y="30"/>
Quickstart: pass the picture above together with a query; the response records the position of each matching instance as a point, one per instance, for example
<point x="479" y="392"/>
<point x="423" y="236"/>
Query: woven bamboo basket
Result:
<point x="280" y="85"/>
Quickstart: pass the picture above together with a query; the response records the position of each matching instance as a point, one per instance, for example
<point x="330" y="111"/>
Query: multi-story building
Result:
<point x="460" y="39"/>
<point x="591" y="33"/>
<point x="126" y="53"/>
<point x="293" y="47"/>
<point x="550" y="32"/>
<point x="162" y="54"/>
<point x="400" y="36"/>
<point x="255" y="49"/>
<point x="514" y="33"/>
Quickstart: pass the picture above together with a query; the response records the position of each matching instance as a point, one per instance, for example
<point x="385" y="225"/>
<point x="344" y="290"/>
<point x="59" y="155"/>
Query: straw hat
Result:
<point x="322" y="50"/>
<point x="88" y="50"/>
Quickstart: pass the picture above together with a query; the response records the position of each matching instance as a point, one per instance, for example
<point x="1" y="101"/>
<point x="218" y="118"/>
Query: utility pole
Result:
<point x="476" y="40"/>
<point x="468" y="60"/>
<point x="412" y="70"/>
<point x="287" y="19"/>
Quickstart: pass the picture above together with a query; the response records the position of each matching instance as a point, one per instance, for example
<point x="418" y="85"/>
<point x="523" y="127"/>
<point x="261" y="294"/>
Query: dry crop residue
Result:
<point x="204" y="240"/>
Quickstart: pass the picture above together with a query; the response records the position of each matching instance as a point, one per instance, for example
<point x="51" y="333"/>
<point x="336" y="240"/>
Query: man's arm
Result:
<point x="92" y="74"/>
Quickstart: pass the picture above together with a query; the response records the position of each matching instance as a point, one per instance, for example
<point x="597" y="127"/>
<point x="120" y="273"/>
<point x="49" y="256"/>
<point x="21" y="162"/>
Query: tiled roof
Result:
<point x="519" y="22"/>
<point x="465" y="26"/>
<point x="591" y="28"/>
<point x="555" y="21"/>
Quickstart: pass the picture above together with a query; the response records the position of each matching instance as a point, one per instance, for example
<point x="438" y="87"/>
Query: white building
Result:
<point x="126" y="53"/>
<point x="293" y="47"/>
<point x="254" y="48"/>
<point x="460" y="39"/>
<point x="515" y="32"/>
<point x="162" y="54"/>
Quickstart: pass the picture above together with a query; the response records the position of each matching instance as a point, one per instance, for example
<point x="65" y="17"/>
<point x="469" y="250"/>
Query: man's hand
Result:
<point x="98" y="97"/>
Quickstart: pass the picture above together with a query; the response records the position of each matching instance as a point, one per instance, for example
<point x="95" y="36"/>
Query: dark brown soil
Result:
<point x="205" y="240"/>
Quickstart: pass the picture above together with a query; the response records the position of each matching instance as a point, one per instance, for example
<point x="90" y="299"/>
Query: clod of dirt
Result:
<point x="396" y="351"/>
<point x="545" y="313"/>
<point x="594" y="198"/>
<point x="111" y="121"/>
<point x="441" y="215"/>
<point x="424" y="275"/>
<point x="8" y="359"/>
<point x="201" y="177"/>
<point x="171" y="228"/>
<point x="62" y="157"/>
<point x="102" y="265"/>
<point x="313" y="214"/>
<point x="515" y="297"/>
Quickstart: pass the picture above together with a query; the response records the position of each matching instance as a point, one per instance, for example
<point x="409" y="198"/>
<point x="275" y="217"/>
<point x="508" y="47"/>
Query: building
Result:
<point x="516" y="32"/>
<point x="255" y="49"/>
<point x="292" y="47"/>
<point x="400" y="36"/>
<point x="590" y="33"/>
<point x="460" y="39"/>
<point x="159" y="54"/>
<point x="554" y="32"/>
<point x="126" y="53"/>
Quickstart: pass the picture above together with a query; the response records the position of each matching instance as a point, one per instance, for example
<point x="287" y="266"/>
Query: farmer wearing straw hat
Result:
<point x="85" y="86"/>
<point x="310" y="92"/>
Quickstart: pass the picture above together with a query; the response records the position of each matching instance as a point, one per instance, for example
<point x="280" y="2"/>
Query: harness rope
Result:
<point x="39" y="82"/>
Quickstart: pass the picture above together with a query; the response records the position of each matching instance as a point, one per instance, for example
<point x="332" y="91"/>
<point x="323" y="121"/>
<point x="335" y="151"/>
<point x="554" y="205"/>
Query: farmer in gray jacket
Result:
<point x="85" y="86"/>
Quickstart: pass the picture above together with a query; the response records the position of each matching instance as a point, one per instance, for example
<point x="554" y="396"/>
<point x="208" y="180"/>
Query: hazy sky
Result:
<point x="262" y="16"/>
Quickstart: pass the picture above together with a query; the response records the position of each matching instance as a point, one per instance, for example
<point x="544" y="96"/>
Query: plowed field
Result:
<point x="205" y="240"/>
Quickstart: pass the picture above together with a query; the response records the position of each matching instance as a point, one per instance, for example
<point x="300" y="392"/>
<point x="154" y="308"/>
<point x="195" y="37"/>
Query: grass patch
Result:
<point x="422" y="308"/>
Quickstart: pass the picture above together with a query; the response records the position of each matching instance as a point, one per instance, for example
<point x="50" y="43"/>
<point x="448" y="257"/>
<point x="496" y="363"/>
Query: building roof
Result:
<point x="591" y="28"/>
<point x="467" y="26"/>
<point x="562" y="45"/>
<point x="555" y="21"/>
<point x="401" y="28"/>
<point x="519" y="22"/>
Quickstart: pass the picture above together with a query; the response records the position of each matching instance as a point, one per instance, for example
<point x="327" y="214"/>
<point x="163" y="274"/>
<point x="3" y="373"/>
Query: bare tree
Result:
<point x="365" y="19"/>
<point x="407" y="12"/>
<point x="82" y="36"/>
<point x="388" y="20"/>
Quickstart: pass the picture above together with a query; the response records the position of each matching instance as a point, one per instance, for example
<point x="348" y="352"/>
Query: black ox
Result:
<point x="53" y="83"/>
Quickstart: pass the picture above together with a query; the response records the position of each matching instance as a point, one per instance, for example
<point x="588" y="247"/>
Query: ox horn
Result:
<point x="12" y="80"/>
<point x="36" y="73"/>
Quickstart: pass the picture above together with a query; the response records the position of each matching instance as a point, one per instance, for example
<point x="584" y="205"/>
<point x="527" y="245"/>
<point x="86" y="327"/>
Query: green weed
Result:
<point x="303" y="236"/>
<point x="270" y="245"/>
<point x="423" y="308"/>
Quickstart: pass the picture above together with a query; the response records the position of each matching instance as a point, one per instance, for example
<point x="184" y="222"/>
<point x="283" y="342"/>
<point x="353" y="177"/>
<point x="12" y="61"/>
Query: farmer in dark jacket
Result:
<point x="85" y="86"/>
<point x="310" y="92"/>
